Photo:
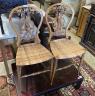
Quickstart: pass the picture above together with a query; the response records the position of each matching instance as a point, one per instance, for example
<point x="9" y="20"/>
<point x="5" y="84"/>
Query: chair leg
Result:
<point x="81" y="61"/>
<point x="54" y="70"/>
<point x="19" y="81"/>
<point x="8" y="88"/>
<point x="51" y="70"/>
<point x="26" y="85"/>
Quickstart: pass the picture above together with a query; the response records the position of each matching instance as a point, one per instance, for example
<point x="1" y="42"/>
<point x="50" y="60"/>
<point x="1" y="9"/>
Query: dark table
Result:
<point x="40" y="84"/>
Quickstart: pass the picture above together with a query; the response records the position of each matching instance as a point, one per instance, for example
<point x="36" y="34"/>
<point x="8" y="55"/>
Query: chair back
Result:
<point x="21" y="20"/>
<point x="59" y="18"/>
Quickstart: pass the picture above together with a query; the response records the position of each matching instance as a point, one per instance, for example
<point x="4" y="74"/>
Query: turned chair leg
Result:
<point x="51" y="69"/>
<point x="81" y="61"/>
<point x="54" y="70"/>
<point x="8" y="88"/>
<point x="19" y="80"/>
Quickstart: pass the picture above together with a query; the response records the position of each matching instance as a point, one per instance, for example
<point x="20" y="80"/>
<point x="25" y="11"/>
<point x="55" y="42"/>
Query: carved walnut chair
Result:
<point x="61" y="45"/>
<point x="29" y="53"/>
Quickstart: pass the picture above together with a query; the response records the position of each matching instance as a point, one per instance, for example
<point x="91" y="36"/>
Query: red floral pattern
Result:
<point x="8" y="52"/>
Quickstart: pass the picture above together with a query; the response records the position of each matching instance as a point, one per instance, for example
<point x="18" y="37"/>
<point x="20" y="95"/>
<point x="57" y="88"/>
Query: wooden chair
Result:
<point x="29" y="53"/>
<point x="61" y="45"/>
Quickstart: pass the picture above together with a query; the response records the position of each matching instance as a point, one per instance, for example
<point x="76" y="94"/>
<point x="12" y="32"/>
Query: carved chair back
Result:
<point x="28" y="31"/>
<point x="59" y="18"/>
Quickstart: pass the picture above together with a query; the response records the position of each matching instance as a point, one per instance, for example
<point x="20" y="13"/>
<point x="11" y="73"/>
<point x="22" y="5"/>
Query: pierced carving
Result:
<point x="28" y="30"/>
<point x="61" y="17"/>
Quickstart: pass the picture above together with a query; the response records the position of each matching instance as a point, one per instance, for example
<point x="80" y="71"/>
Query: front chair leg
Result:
<point x="51" y="69"/>
<point x="54" y="70"/>
<point x="81" y="61"/>
<point x="18" y="80"/>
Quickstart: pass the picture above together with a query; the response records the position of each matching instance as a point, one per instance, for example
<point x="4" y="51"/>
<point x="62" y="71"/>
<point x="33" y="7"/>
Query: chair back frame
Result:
<point x="23" y="10"/>
<point x="60" y="10"/>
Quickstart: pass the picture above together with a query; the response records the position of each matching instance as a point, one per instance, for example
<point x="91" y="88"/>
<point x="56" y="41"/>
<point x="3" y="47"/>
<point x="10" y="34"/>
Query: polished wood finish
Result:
<point x="83" y="20"/>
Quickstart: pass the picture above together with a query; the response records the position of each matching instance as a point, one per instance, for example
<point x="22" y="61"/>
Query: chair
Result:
<point x="29" y="53"/>
<point x="62" y="47"/>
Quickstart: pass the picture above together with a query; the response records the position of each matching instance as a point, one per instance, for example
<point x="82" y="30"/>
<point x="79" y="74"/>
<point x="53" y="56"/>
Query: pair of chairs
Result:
<point x="60" y="45"/>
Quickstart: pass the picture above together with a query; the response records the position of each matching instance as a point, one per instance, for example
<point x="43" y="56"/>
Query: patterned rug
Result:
<point x="87" y="88"/>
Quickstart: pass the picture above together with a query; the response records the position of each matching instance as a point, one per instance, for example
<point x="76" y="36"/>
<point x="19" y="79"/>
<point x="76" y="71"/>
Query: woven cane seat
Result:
<point x="65" y="48"/>
<point x="29" y="54"/>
